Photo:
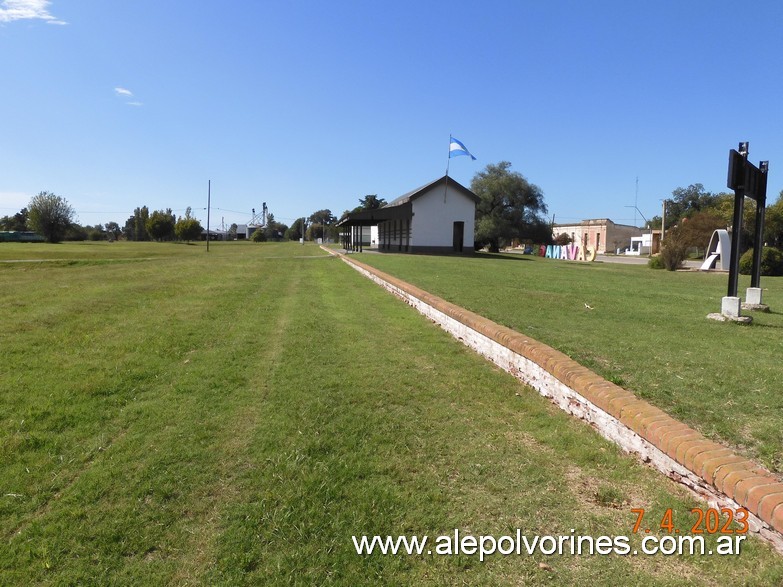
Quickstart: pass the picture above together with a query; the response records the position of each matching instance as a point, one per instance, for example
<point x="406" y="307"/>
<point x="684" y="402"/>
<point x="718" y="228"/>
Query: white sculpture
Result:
<point x="718" y="250"/>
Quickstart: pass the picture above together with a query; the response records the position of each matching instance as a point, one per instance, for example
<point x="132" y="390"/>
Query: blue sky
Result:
<point x="307" y="105"/>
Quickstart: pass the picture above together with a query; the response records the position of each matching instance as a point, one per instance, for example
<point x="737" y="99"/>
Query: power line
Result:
<point x="232" y="211"/>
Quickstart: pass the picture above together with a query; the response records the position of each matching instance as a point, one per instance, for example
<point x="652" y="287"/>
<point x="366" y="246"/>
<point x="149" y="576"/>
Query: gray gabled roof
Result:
<point x="418" y="192"/>
<point x="402" y="207"/>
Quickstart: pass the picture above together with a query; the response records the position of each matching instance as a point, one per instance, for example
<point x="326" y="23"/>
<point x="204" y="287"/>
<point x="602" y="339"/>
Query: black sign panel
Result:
<point x="736" y="171"/>
<point x="745" y="176"/>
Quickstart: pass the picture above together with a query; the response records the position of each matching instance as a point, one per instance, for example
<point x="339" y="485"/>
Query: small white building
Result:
<point x="439" y="217"/>
<point x="640" y="245"/>
<point x="648" y="243"/>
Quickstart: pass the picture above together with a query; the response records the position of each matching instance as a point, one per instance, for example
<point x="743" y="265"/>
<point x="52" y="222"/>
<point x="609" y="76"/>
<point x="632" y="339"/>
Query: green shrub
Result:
<point x="673" y="253"/>
<point x="655" y="262"/>
<point x="771" y="262"/>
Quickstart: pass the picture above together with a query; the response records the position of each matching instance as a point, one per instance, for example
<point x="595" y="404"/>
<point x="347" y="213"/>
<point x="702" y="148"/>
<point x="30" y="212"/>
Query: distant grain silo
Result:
<point x="256" y="222"/>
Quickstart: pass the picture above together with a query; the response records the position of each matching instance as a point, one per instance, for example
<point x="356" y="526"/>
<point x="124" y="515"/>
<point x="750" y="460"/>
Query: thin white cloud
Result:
<point x="11" y="10"/>
<point x="127" y="94"/>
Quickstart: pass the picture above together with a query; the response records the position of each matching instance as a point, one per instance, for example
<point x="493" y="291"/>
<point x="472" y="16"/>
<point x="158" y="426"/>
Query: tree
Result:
<point x="722" y="206"/>
<point x="322" y="217"/>
<point x="114" y="230"/>
<point x="188" y="228"/>
<point x="95" y="233"/>
<point x="697" y="230"/>
<point x="689" y="202"/>
<point x="17" y="222"/>
<point x="50" y="216"/>
<point x="773" y="223"/>
<point x="76" y="232"/>
<point x="320" y="222"/>
<point x="258" y="236"/>
<point x="128" y="230"/>
<point x="271" y="231"/>
<point x="370" y="202"/>
<point x="274" y="230"/>
<point x="136" y="226"/>
<point x="140" y="218"/>
<point x="160" y="225"/>
<point x="297" y="230"/>
<point x="509" y="207"/>
<point x="686" y="202"/>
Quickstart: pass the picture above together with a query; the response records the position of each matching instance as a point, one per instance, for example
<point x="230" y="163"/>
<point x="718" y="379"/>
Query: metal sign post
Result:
<point x="758" y="237"/>
<point x="738" y="176"/>
<point x="750" y="181"/>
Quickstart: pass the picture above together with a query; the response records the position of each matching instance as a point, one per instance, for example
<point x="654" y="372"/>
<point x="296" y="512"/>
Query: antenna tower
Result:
<point x="636" y="200"/>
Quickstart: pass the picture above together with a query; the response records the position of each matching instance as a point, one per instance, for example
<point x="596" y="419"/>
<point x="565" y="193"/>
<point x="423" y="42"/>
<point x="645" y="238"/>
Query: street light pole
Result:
<point x="663" y="221"/>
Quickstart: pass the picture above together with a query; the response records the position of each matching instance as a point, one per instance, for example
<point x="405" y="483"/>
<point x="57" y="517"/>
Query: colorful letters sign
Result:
<point x="570" y="252"/>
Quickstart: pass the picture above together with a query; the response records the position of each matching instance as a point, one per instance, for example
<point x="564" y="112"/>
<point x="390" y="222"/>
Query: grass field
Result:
<point x="173" y="417"/>
<point x="645" y="330"/>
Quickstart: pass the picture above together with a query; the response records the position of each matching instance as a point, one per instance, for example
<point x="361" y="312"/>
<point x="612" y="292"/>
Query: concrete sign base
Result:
<point x="730" y="308"/>
<point x="753" y="300"/>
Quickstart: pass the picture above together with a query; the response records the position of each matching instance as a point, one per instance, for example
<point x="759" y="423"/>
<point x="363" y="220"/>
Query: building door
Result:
<point x="459" y="236"/>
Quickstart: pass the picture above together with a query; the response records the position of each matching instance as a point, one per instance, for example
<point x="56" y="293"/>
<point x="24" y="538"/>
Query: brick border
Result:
<point x="712" y="471"/>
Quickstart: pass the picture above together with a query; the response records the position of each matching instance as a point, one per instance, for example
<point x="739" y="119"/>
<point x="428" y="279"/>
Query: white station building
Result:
<point x="439" y="217"/>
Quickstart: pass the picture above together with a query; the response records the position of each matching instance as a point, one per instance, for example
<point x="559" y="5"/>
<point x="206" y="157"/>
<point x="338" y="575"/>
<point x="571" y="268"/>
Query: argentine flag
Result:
<point x="456" y="148"/>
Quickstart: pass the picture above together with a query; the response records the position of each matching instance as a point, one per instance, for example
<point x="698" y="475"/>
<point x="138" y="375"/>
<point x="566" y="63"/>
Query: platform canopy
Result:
<point x="377" y="215"/>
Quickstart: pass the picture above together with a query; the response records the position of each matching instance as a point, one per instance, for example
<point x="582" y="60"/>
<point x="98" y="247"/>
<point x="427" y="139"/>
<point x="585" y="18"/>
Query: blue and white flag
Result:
<point x="456" y="148"/>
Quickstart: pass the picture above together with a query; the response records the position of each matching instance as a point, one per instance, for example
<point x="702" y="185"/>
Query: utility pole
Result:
<point x="663" y="222"/>
<point x="209" y="197"/>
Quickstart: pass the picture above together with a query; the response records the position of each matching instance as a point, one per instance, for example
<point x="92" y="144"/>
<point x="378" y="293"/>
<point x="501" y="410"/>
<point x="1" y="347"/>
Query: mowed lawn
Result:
<point x="645" y="330"/>
<point x="169" y="416"/>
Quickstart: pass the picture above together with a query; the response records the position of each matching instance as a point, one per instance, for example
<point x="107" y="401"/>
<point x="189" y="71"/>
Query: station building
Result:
<point x="439" y="217"/>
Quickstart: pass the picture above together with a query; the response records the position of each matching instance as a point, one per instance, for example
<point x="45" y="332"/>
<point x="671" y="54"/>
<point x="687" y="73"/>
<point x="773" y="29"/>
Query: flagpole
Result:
<point x="446" y="183"/>
<point x="448" y="157"/>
